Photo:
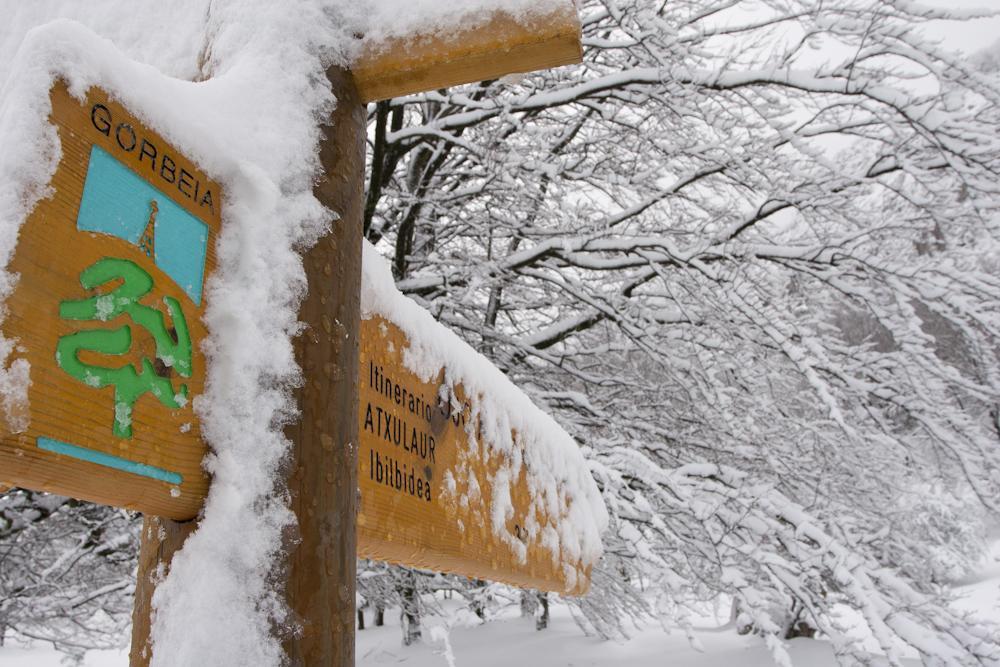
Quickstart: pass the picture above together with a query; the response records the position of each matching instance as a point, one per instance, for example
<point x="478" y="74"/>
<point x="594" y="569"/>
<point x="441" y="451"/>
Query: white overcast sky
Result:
<point x="968" y="37"/>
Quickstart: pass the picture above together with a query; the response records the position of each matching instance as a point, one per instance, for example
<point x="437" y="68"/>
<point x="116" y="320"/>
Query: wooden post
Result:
<point x="160" y="540"/>
<point x="323" y="475"/>
<point x="322" y="469"/>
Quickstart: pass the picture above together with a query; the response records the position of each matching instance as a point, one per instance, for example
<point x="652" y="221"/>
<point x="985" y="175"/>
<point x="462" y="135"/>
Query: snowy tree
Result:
<point x="376" y="591"/>
<point x="746" y="253"/>
<point x="67" y="571"/>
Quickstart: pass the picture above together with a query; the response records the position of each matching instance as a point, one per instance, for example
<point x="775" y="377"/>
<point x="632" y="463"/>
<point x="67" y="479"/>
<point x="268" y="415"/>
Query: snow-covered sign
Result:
<point x="107" y="314"/>
<point x="459" y="471"/>
<point x="429" y="483"/>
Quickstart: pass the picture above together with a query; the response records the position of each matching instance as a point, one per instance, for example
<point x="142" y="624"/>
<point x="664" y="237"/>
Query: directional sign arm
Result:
<point x="499" y="45"/>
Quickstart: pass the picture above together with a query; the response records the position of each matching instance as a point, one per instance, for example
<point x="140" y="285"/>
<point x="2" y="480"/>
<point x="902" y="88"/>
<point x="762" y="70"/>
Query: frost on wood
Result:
<point x="555" y="465"/>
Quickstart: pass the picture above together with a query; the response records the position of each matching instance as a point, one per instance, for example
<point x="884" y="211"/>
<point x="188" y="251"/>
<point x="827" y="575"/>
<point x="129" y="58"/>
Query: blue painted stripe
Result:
<point x="108" y="460"/>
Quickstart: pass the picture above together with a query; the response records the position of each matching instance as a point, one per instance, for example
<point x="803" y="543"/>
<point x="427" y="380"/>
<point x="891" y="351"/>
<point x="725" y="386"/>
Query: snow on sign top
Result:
<point x="438" y="44"/>
<point x="251" y="313"/>
<point x="459" y="470"/>
<point x="381" y="21"/>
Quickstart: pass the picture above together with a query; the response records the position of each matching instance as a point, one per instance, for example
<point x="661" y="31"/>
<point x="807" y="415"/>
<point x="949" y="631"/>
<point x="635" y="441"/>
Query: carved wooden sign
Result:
<point x="106" y="314"/>
<point x="427" y="481"/>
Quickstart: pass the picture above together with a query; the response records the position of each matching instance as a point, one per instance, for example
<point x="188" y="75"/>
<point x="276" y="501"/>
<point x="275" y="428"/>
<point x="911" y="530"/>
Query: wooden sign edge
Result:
<point x="374" y="548"/>
<point x="498" y="46"/>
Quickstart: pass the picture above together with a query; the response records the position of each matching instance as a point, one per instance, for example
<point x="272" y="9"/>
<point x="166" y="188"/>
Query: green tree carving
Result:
<point x="173" y="351"/>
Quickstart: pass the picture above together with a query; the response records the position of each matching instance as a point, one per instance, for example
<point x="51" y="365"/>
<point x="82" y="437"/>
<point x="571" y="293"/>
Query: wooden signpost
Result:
<point x="107" y="315"/>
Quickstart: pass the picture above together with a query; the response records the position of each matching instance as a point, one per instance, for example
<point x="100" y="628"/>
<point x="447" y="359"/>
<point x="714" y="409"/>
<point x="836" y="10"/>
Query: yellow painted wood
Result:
<point x="498" y="46"/>
<point x="431" y="527"/>
<point x="441" y="517"/>
<point x="50" y="256"/>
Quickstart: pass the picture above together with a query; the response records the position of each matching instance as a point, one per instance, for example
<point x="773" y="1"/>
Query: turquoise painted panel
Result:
<point x="180" y="245"/>
<point x="109" y="460"/>
<point x="117" y="201"/>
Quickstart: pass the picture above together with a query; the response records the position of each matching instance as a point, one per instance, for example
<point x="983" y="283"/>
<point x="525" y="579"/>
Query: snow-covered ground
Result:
<point x="513" y="642"/>
<point x="981" y="592"/>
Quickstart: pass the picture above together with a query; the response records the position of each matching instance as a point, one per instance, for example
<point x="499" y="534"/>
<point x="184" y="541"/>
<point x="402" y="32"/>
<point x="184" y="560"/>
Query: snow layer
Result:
<point x="508" y="640"/>
<point x="556" y="468"/>
<point x="383" y="20"/>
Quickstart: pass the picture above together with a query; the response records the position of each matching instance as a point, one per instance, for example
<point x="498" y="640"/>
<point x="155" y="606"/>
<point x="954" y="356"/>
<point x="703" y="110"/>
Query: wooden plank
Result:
<point x="426" y="490"/>
<point x="107" y="311"/>
<point x="498" y="46"/>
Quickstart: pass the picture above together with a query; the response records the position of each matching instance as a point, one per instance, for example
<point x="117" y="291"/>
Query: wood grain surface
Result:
<point x="499" y="45"/>
<point x="320" y="554"/>
<point x="74" y="419"/>
<point x="427" y="488"/>
<point x="159" y="541"/>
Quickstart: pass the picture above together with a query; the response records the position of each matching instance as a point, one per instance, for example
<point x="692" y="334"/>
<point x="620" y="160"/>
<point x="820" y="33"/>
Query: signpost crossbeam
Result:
<point x="499" y="45"/>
